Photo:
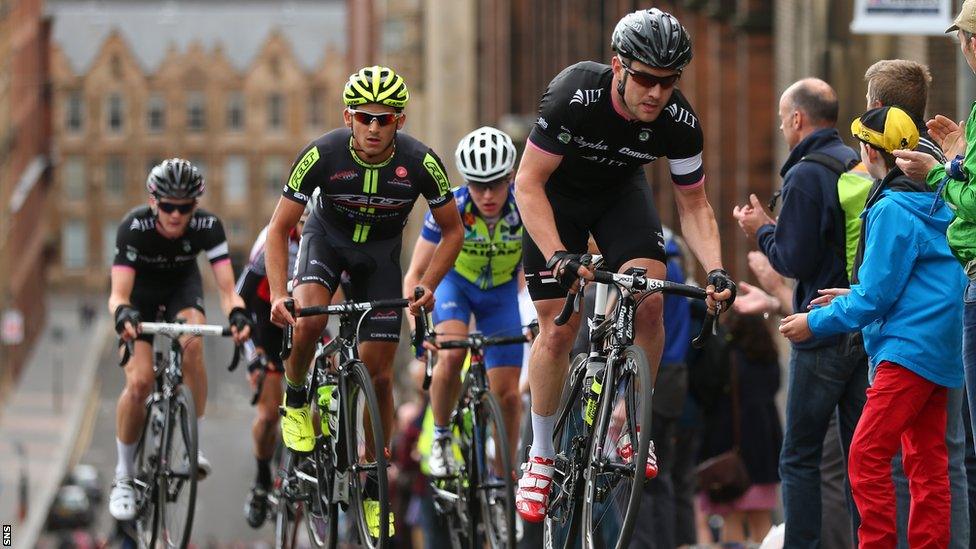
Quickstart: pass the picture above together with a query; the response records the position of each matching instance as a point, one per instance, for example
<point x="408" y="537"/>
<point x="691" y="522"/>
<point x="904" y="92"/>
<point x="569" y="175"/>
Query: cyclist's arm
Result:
<point x="286" y="215"/>
<point x="445" y="253"/>
<point x="423" y="252"/>
<point x="224" y="276"/>
<point x="123" y="280"/>
<point x="698" y="226"/>
<point x="530" y="195"/>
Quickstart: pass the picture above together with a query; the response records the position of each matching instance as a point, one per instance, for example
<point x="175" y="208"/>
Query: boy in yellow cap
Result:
<point x="906" y="304"/>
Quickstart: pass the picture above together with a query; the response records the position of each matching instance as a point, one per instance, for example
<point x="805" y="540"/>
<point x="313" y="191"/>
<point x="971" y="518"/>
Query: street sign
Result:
<point x="12" y="327"/>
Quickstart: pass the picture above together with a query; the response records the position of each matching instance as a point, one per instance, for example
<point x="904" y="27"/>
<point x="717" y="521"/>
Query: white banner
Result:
<point x="902" y="16"/>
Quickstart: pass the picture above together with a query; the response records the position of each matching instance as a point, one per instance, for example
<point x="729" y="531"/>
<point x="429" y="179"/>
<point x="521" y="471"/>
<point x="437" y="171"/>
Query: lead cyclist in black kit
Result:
<point x="369" y="175"/>
<point x="582" y="174"/>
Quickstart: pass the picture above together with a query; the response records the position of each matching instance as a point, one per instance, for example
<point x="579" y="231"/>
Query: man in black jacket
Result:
<point x="807" y="243"/>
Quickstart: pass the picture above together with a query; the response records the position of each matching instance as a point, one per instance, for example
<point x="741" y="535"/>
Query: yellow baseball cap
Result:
<point x="886" y="128"/>
<point x="966" y="20"/>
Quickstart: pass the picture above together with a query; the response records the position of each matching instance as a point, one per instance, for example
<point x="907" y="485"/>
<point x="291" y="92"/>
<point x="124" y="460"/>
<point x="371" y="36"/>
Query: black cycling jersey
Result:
<point x="577" y="120"/>
<point x="367" y="201"/>
<point x="140" y="246"/>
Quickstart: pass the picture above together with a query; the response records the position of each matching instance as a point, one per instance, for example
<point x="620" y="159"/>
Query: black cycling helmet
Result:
<point x="653" y="37"/>
<point x="175" y="178"/>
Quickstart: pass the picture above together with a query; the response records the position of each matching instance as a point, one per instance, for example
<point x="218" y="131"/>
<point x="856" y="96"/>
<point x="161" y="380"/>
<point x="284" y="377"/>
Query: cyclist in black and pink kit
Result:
<point x="582" y="174"/>
<point x="155" y="270"/>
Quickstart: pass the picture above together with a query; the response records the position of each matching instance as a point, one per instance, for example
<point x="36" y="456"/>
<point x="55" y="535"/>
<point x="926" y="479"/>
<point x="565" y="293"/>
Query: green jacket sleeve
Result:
<point x="961" y="195"/>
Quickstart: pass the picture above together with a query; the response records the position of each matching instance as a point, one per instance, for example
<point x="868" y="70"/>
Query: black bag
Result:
<point x="724" y="478"/>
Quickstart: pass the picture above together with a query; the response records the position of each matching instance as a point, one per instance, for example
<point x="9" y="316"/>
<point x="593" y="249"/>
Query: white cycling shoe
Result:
<point x="122" y="500"/>
<point x="441" y="462"/>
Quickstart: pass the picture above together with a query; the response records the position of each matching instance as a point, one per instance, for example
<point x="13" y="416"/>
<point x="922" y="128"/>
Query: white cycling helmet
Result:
<point x="485" y="155"/>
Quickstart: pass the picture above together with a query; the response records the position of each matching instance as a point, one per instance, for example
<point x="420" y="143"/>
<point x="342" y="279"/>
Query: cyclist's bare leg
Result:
<point x="378" y="356"/>
<point x="307" y="331"/>
<point x="445" y="383"/>
<point x="649" y="325"/>
<point x="549" y="358"/>
<point x="504" y="382"/>
<point x="264" y="430"/>
<point x="194" y="373"/>
<point x="130" y="413"/>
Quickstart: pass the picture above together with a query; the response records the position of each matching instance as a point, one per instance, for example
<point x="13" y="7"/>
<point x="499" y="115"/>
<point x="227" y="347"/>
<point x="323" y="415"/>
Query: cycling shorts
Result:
<point x="265" y="334"/>
<point x="495" y="311"/>
<point x="324" y="253"/>
<point x="622" y="220"/>
<point x="153" y="296"/>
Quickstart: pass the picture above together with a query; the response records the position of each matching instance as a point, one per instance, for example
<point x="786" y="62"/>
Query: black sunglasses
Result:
<point x="170" y="207"/>
<point x="382" y="118"/>
<point x="492" y="185"/>
<point x="648" y="80"/>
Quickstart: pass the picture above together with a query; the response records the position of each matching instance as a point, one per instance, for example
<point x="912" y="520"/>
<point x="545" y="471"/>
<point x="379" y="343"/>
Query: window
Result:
<point x="316" y="108"/>
<point x="196" y="111"/>
<point x="156" y="113"/>
<point x="74" y="111"/>
<point x="109" y="231"/>
<point x="276" y="104"/>
<point x="73" y="178"/>
<point x="74" y="245"/>
<point x="235" y="179"/>
<point x="235" y="111"/>
<point x="114" y="113"/>
<point x="274" y="175"/>
<point x="115" y="178"/>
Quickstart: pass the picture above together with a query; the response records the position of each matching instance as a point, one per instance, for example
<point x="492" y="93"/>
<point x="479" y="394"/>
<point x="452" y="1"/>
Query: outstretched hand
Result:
<point x="950" y="136"/>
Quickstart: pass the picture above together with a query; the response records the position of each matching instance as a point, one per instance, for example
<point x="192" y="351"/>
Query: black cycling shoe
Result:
<point x="256" y="506"/>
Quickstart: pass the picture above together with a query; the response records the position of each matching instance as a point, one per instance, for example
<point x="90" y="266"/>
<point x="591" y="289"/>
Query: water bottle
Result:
<point x="329" y="409"/>
<point x="593" y="383"/>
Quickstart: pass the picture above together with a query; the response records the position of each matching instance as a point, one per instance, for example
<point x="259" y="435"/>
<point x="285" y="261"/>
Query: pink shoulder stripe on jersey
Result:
<point x="695" y="185"/>
<point x="123" y="268"/>
<point x="220" y="261"/>
<point x="540" y="149"/>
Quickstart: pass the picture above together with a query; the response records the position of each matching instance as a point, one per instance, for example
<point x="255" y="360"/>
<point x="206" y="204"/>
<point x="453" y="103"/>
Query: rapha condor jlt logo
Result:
<point x="585" y="97"/>
<point x="680" y="114"/>
<point x="371" y="201"/>
<point x="582" y="142"/>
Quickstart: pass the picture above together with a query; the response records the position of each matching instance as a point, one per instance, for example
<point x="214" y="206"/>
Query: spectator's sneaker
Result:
<point x="532" y="496"/>
<point x="256" y="506"/>
<point x="297" y="431"/>
<point x="203" y="467"/>
<point x="371" y="511"/>
<point x="122" y="500"/>
<point x="626" y="452"/>
<point x="441" y="462"/>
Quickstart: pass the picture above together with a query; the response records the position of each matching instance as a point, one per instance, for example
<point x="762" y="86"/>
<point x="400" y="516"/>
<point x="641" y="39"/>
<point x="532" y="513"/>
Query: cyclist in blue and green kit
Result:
<point x="484" y="282"/>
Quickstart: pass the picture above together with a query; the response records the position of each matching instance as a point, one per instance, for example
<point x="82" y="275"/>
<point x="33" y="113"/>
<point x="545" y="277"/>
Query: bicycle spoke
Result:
<point x="177" y="490"/>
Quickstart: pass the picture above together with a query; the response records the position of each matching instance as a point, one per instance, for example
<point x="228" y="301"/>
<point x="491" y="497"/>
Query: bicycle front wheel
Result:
<point x="147" y="471"/>
<point x="571" y="441"/>
<point x="491" y="465"/>
<point x="365" y="459"/>
<point x="618" y="453"/>
<point x="178" y="478"/>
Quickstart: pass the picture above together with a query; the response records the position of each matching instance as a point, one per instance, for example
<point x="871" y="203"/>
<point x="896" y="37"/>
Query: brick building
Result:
<point x="236" y="88"/>
<point x="25" y="146"/>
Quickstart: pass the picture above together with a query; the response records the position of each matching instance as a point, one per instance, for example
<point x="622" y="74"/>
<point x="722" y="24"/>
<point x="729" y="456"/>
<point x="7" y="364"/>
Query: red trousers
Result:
<point x="903" y="409"/>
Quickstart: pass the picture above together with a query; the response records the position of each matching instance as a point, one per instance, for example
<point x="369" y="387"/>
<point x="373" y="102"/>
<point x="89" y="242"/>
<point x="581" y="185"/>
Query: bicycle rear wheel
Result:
<point x="321" y="516"/>
<point x="365" y="455"/>
<point x="147" y="467"/>
<point x="178" y="479"/>
<point x="571" y="440"/>
<point x="290" y="507"/>
<point x="618" y="452"/>
<point x="491" y="468"/>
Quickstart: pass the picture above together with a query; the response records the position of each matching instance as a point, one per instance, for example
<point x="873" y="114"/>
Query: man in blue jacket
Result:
<point x="905" y="302"/>
<point x="807" y="243"/>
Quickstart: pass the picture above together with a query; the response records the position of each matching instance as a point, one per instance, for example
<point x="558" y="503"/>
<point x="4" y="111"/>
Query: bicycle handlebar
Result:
<point x="642" y="284"/>
<point x="469" y="343"/>
<point x="174" y="330"/>
<point x="351" y="308"/>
